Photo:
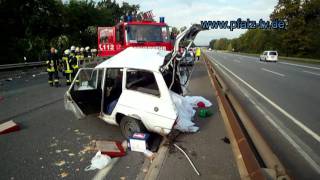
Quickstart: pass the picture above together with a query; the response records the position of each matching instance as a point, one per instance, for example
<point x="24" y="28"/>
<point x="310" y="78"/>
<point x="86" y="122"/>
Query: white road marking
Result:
<point x="299" y="65"/>
<point x="236" y="60"/>
<point x="317" y="74"/>
<point x="299" y="149"/>
<point x="273" y="72"/>
<point x="285" y="113"/>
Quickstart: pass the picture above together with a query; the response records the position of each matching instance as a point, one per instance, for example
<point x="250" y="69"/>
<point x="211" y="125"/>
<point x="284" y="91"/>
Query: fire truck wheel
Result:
<point x="129" y="126"/>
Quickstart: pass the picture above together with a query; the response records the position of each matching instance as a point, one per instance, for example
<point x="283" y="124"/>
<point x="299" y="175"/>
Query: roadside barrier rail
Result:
<point x="248" y="145"/>
<point x="21" y="65"/>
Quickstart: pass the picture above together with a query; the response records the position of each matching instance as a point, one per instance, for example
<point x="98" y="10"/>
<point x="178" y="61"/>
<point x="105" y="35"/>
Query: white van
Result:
<point x="269" y="56"/>
<point x="131" y="89"/>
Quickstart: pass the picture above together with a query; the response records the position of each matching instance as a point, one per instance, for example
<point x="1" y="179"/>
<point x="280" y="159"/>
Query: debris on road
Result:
<point x="149" y="154"/>
<point x="203" y="113"/>
<point x="71" y="154"/>
<point x="53" y="145"/>
<point x="110" y="148"/>
<point x="194" y="100"/>
<point x="185" y="154"/>
<point x="64" y="174"/>
<point x="85" y="150"/>
<point x="185" y="107"/>
<point x="186" y="113"/>
<point x="60" y="163"/>
<point x="9" y="79"/>
<point x="9" y="127"/>
<point x="139" y="142"/>
<point x="201" y="105"/>
<point x="226" y="140"/>
<point x="99" y="161"/>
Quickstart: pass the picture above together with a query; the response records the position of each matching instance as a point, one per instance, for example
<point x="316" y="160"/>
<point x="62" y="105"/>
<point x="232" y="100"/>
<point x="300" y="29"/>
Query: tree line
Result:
<point x="29" y="28"/>
<point x="301" y="38"/>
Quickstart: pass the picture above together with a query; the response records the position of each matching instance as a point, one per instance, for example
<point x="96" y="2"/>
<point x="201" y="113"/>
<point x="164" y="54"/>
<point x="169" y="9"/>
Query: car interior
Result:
<point x="142" y="81"/>
<point x="113" y="89"/>
<point x="88" y="99"/>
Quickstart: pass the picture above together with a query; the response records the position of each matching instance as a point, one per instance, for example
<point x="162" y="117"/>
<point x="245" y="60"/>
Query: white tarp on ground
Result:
<point x="194" y="100"/>
<point x="186" y="112"/>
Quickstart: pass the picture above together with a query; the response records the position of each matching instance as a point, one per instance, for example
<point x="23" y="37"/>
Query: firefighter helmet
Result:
<point x="87" y="48"/>
<point x="73" y="48"/>
<point x="81" y="49"/>
<point x="77" y="49"/>
<point x="67" y="51"/>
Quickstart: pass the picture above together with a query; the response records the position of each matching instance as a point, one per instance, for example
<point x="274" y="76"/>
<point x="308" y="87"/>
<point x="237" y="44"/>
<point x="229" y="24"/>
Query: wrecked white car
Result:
<point x="131" y="89"/>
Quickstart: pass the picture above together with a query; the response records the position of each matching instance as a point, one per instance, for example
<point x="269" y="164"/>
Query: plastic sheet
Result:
<point x="194" y="100"/>
<point x="99" y="161"/>
<point x="186" y="113"/>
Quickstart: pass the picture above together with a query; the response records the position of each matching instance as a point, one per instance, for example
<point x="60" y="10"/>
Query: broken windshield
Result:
<point x="147" y="33"/>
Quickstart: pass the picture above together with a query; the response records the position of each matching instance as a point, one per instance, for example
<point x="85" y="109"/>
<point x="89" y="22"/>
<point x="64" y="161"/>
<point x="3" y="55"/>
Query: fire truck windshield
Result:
<point x="147" y="33"/>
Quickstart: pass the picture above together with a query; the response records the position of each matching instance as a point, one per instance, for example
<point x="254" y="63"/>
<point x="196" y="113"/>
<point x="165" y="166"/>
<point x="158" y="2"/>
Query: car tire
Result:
<point x="129" y="126"/>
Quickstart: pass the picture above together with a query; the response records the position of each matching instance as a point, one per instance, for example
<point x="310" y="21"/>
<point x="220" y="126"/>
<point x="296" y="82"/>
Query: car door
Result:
<point x="144" y="99"/>
<point x="84" y="96"/>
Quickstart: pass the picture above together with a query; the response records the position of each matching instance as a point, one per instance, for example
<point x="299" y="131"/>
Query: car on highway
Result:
<point x="131" y="89"/>
<point x="271" y="56"/>
<point x="130" y="93"/>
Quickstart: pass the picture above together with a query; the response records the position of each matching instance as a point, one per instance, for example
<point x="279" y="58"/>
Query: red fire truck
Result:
<point x="133" y="33"/>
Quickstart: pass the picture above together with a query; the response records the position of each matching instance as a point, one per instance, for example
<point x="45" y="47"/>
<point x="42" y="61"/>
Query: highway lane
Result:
<point x="284" y="100"/>
<point x="52" y="142"/>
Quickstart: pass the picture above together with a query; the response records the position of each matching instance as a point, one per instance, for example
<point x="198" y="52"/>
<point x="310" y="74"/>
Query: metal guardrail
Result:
<point x="233" y="115"/>
<point x="21" y="65"/>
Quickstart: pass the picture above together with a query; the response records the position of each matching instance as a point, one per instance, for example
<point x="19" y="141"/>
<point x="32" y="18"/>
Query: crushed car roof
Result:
<point x="136" y="58"/>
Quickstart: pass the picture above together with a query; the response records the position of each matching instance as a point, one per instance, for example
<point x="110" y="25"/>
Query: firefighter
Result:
<point x="59" y="62"/>
<point x="198" y="53"/>
<point x="52" y="68"/>
<point x="87" y="54"/>
<point x="72" y="50"/>
<point x="67" y="64"/>
<point x="78" y="56"/>
<point x="74" y="62"/>
<point x="93" y="52"/>
<point x="81" y="55"/>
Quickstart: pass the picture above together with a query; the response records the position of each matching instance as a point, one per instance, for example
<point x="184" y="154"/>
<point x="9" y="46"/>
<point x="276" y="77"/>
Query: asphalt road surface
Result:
<point x="283" y="98"/>
<point x="52" y="143"/>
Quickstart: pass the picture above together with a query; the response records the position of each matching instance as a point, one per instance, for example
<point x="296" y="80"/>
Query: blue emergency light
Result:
<point x="129" y="18"/>
<point x="161" y="19"/>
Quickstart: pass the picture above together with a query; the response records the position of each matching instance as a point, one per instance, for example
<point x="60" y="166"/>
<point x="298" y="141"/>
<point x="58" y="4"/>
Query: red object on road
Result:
<point x="111" y="148"/>
<point x="9" y="127"/>
<point x="201" y="104"/>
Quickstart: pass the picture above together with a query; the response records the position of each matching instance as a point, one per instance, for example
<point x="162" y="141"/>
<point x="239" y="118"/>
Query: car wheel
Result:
<point x="129" y="126"/>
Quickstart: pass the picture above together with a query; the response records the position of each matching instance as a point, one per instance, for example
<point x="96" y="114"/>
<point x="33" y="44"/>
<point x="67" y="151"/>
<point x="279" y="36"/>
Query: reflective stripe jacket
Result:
<point x="198" y="52"/>
<point x="52" y="63"/>
<point x="67" y="64"/>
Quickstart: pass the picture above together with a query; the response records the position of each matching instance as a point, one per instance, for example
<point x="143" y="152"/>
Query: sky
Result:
<point x="180" y="13"/>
